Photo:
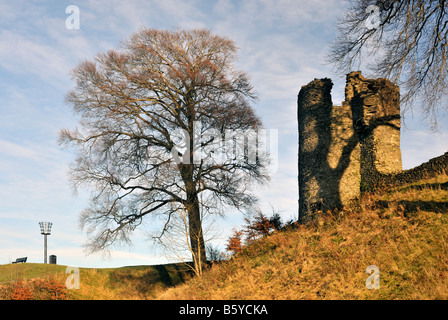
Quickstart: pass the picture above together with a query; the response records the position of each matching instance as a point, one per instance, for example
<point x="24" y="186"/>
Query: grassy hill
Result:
<point x="134" y="282"/>
<point x="403" y="232"/>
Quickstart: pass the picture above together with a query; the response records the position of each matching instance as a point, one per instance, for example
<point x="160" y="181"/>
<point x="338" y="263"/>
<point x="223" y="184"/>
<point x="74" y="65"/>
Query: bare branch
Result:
<point x="409" y="46"/>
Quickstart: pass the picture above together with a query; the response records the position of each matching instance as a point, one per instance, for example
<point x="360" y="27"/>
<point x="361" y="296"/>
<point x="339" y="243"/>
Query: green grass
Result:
<point x="25" y="271"/>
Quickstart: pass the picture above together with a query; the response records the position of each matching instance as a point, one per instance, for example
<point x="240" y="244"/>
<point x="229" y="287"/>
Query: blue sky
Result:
<point x="282" y="46"/>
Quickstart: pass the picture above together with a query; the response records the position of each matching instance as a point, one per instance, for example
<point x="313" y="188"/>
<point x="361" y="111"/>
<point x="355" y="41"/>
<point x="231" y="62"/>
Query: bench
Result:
<point x="20" y="260"/>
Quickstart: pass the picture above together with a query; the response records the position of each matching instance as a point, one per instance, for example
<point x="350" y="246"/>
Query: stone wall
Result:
<point x="343" y="149"/>
<point x="426" y="170"/>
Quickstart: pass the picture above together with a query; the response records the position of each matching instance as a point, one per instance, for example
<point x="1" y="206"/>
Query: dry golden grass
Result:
<point x="126" y="283"/>
<point x="402" y="231"/>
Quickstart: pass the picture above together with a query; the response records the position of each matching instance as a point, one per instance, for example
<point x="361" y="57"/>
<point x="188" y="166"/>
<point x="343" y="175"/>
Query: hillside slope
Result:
<point x="134" y="282"/>
<point x="403" y="232"/>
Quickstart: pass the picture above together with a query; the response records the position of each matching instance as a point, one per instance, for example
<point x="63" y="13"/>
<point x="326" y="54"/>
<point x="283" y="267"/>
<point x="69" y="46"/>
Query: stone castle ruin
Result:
<point x="348" y="149"/>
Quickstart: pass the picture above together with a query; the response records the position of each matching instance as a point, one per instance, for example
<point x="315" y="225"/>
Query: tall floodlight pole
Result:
<point x="45" y="229"/>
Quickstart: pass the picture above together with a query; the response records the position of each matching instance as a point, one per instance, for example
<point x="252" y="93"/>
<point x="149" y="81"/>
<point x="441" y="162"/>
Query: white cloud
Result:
<point x="24" y="56"/>
<point x="17" y="151"/>
<point x="419" y="146"/>
<point x="125" y="17"/>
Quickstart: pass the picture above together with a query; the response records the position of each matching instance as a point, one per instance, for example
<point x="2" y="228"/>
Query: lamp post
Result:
<point x="45" y="229"/>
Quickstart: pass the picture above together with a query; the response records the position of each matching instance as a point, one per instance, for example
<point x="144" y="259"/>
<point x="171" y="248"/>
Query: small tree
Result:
<point x="234" y="243"/>
<point x="214" y="253"/>
<point x="256" y="226"/>
<point x="177" y="240"/>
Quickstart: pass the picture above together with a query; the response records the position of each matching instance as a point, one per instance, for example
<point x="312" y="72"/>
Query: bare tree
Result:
<point x="177" y="240"/>
<point x="176" y="237"/>
<point x="405" y="41"/>
<point x="159" y="121"/>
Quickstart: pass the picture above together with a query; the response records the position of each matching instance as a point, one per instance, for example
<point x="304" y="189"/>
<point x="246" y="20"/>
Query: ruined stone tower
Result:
<point x="344" y="150"/>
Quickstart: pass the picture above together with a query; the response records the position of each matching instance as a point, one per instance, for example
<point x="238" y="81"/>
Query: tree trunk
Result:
<point x="197" y="243"/>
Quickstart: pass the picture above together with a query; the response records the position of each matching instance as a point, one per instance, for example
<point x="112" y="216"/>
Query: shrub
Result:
<point x="21" y="291"/>
<point x="41" y="289"/>
<point x="50" y="289"/>
<point x="257" y="226"/>
<point x="234" y="243"/>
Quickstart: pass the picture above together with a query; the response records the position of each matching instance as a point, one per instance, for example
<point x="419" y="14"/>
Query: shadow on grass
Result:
<point x="415" y="206"/>
<point x="145" y="280"/>
<point x="432" y="186"/>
